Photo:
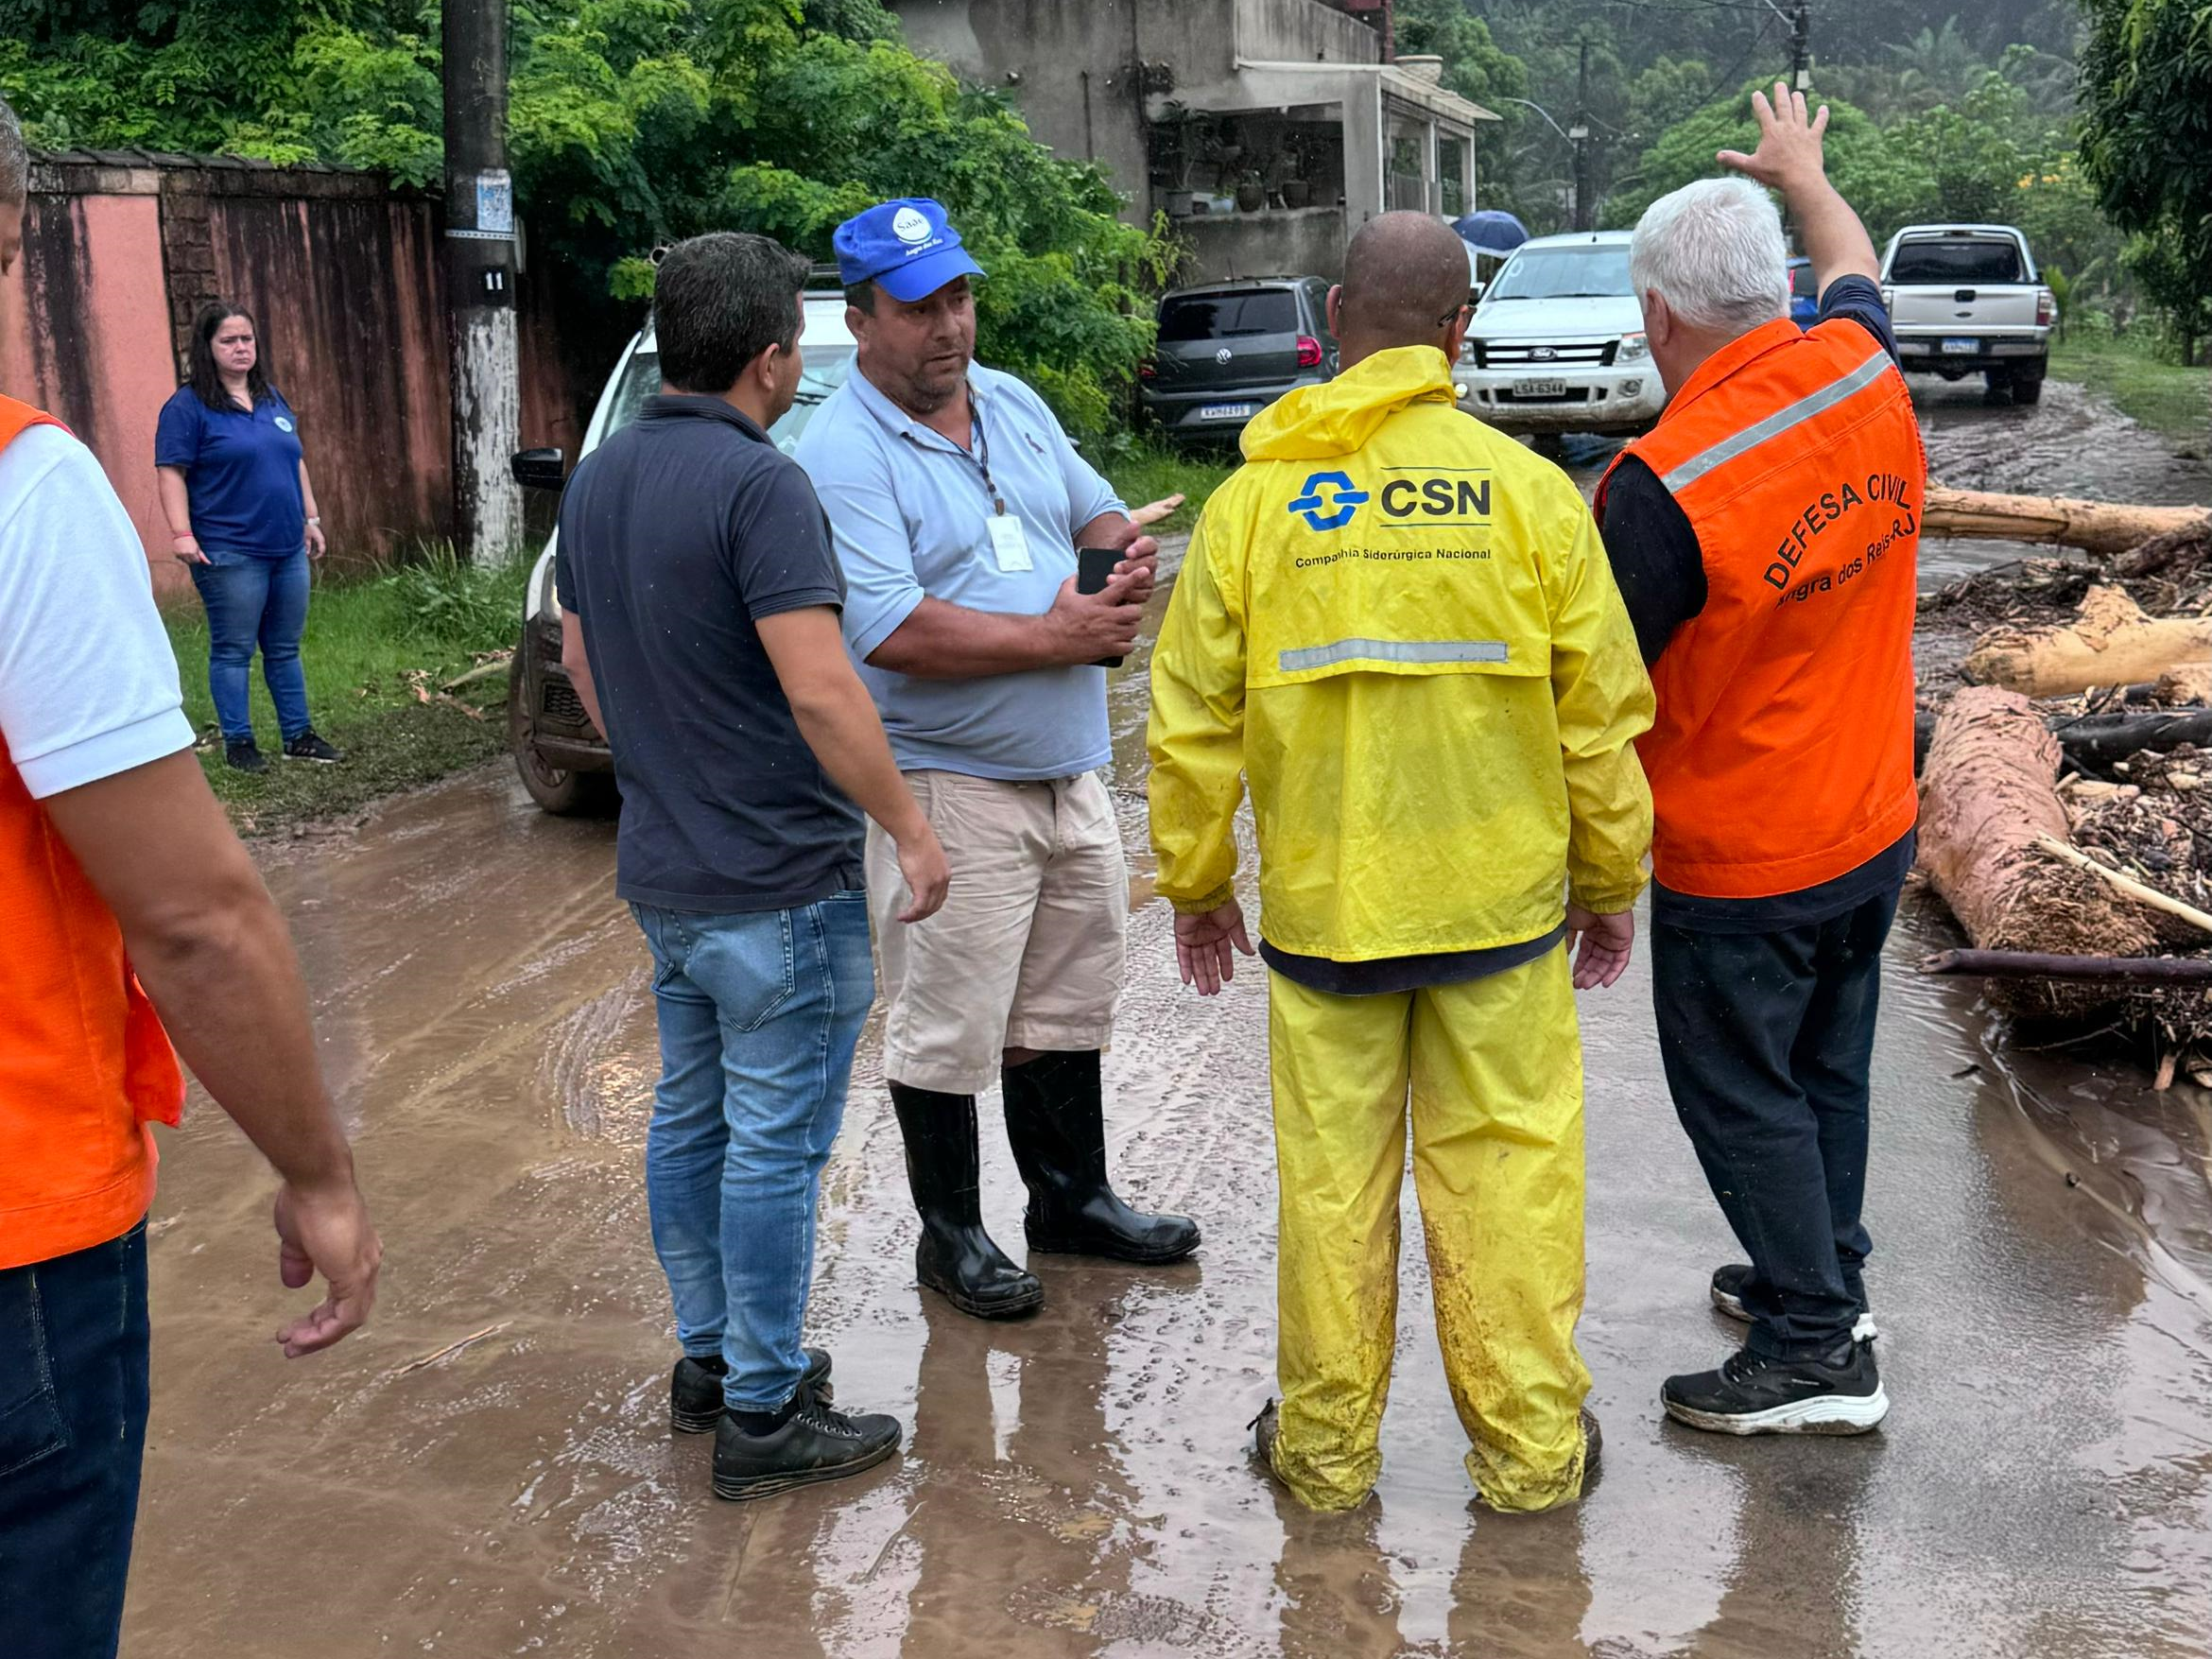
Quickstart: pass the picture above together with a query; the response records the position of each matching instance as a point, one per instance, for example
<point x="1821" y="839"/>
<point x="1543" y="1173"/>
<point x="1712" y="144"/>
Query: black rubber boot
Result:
<point x="956" y="1258"/>
<point x="1056" y="1120"/>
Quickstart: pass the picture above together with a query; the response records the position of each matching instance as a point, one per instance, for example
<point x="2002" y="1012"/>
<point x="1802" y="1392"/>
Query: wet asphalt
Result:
<point x="487" y="1470"/>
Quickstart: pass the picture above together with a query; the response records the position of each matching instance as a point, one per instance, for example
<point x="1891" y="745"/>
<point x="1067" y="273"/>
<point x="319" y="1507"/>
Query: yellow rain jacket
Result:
<point x="1401" y="626"/>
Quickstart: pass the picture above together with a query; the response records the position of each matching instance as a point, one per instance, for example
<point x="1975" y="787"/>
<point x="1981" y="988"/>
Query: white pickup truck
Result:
<point x="1966" y="300"/>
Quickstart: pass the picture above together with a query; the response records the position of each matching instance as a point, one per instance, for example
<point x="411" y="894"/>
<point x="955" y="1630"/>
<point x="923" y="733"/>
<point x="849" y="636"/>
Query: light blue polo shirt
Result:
<point x="909" y="516"/>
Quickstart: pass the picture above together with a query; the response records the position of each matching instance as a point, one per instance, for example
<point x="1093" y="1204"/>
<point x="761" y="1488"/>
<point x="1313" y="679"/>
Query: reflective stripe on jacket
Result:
<point x="1782" y="755"/>
<point x="84" y="1064"/>
<point x="1400" y="627"/>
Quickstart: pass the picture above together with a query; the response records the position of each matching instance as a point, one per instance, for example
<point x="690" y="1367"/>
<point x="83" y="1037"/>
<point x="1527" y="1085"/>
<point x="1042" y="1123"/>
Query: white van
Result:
<point x="563" y="762"/>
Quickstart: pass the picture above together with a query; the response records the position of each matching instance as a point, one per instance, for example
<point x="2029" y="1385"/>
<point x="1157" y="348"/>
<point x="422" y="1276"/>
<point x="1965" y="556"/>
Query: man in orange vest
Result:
<point x="122" y="891"/>
<point x="1764" y="536"/>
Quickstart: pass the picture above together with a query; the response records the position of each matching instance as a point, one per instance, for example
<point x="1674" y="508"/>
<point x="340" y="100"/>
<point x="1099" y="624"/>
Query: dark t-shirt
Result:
<point x="677" y="535"/>
<point x="241" y="473"/>
<point x="1661" y="572"/>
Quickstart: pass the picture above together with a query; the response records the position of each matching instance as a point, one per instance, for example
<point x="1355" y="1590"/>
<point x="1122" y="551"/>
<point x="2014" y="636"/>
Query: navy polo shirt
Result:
<point x="241" y="471"/>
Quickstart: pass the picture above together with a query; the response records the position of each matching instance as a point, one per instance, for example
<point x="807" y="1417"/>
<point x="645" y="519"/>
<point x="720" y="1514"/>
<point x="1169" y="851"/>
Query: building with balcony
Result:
<point x="1267" y="131"/>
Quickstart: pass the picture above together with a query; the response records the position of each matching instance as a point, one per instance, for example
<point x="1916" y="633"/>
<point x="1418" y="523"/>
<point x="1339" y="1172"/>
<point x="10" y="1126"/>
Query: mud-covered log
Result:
<point x="2110" y="642"/>
<point x="2096" y="526"/>
<point x="2021" y="964"/>
<point x="1987" y="794"/>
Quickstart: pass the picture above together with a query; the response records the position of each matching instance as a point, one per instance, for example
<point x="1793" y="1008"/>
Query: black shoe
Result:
<point x="308" y="745"/>
<point x="1753" y="1394"/>
<point x="244" y="756"/>
<point x="815" y="1442"/>
<point x="695" y="1392"/>
<point x="1593" y="1442"/>
<point x="1730" y="1282"/>
<point x="1056" y="1121"/>
<point x="1264" y="1429"/>
<point x="956" y="1258"/>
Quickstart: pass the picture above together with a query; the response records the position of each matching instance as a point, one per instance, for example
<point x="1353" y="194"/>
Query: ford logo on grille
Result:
<point x="1542" y="353"/>
<point x="1221" y="355"/>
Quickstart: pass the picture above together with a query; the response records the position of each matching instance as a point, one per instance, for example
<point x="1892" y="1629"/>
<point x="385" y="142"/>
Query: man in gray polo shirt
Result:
<point x="957" y="505"/>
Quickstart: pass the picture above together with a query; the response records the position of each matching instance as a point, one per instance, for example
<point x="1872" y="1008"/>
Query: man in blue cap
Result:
<point x="957" y="505"/>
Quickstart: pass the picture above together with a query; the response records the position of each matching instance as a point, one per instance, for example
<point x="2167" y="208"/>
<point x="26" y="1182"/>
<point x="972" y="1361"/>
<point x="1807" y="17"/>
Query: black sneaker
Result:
<point x="1729" y="1284"/>
<point x="308" y="745"/>
<point x="245" y="756"/>
<point x="816" y="1443"/>
<point x="695" y="1392"/>
<point x="1753" y="1394"/>
<point x="1264" y="1429"/>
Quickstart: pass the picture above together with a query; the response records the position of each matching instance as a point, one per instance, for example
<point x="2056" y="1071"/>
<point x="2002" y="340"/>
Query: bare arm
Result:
<point x="839" y="721"/>
<point x="212" y="951"/>
<point x="579" y="667"/>
<point x="314" y="541"/>
<point x="177" y="509"/>
<point x="939" y="640"/>
<point x="1789" y="159"/>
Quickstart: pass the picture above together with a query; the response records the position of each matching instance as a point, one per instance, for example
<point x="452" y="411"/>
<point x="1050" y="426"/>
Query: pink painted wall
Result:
<point x="84" y="334"/>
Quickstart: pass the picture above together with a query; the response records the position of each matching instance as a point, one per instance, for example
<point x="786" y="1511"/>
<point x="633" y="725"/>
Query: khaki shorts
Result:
<point x="1028" y="951"/>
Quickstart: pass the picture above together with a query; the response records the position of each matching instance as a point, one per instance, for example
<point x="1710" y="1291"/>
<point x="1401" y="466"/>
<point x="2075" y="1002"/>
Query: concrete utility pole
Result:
<point x="1800" y="47"/>
<point x="479" y="282"/>
<point x="1578" y="135"/>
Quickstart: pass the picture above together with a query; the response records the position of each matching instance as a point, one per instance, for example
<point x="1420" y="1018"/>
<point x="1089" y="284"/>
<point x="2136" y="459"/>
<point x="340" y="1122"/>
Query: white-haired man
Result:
<point x="1764" y="536"/>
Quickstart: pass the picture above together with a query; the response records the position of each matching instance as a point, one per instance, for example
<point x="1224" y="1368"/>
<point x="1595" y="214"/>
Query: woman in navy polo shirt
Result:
<point x="242" y="513"/>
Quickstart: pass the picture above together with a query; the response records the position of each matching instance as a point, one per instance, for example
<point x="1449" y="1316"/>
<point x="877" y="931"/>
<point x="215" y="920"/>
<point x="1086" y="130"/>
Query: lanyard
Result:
<point x="981" y="454"/>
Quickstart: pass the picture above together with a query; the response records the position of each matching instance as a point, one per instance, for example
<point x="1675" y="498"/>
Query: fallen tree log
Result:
<point x="2092" y="744"/>
<point x="1987" y="796"/>
<point x="2096" y="526"/>
<point x="2110" y="642"/>
<point x="2023" y="965"/>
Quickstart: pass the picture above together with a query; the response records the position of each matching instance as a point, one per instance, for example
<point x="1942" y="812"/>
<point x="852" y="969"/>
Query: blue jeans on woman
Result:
<point x="759" y="1012"/>
<point x="252" y="600"/>
<point x="73" y="1403"/>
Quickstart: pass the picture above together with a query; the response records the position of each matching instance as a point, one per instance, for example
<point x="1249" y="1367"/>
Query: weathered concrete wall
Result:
<point x="84" y="334"/>
<point x="1302" y="31"/>
<point x="1309" y="242"/>
<point x="343" y="278"/>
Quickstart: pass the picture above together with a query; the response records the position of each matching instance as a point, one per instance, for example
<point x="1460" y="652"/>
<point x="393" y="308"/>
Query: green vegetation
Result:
<point x="631" y="124"/>
<point x="2153" y="389"/>
<point x="377" y="653"/>
<point x="1151" y="470"/>
<point x="2147" y="89"/>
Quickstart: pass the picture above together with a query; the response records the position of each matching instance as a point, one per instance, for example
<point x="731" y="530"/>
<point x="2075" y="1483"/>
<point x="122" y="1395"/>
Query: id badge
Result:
<point x="1008" y="545"/>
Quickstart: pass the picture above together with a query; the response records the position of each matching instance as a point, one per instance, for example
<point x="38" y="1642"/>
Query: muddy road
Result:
<point x="1077" y="1485"/>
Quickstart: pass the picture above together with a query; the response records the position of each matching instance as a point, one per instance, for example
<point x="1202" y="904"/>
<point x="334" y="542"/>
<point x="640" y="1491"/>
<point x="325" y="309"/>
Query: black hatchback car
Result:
<point x="1228" y="349"/>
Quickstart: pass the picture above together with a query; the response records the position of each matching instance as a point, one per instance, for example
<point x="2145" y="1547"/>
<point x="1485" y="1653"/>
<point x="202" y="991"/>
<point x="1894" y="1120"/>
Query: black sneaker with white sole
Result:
<point x="1729" y="1284"/>
<point x="1751" y="1394"/>
<point x="817" y="1442"/>
<point x="308" y="745"/>
<point x="695" y="1392"/>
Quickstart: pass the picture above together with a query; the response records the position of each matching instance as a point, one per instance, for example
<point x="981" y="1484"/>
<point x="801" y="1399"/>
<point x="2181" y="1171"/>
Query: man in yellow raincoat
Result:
<point x="1401" y="626"/>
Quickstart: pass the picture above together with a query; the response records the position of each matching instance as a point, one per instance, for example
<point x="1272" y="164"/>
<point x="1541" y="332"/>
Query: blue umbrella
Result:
<point x="1491" y="232"/>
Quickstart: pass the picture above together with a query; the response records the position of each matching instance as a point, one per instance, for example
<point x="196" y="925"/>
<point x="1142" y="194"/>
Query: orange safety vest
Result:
<point x="1781" y="755"/>
<point x="85" y="1067"/>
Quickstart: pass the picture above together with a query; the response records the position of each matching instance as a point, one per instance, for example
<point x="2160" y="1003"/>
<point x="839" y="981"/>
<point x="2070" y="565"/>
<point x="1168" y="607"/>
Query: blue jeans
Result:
<point x="73" y="1396"/>
<point x="252" y="600"/>
<point x="760" y="1012"/>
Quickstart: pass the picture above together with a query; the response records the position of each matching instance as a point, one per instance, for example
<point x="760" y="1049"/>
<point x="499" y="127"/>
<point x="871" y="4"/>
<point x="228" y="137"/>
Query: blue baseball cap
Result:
<point x="904" y="247"/>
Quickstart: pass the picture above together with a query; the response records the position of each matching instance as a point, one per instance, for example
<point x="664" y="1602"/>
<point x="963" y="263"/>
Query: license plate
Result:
<point x="1539" y="389"/>
<point x="1227" y="411"/>
<point x="1960" y="347"/>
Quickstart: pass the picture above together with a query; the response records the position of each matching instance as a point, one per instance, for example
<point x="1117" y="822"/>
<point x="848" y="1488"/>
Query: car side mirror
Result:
<point x="538" y="469"/>
<point x="1474" y="293"/>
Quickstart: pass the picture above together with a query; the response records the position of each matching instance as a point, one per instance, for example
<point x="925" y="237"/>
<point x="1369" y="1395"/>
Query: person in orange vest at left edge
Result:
<point x="115" y="856"/>
<point x="1764" y="536"/>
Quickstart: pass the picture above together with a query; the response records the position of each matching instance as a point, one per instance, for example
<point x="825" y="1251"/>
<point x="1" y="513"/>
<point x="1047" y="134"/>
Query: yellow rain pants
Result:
<point x="1494" y="1070"/>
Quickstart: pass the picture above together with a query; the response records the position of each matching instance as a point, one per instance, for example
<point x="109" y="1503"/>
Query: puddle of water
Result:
<point x="1078" y="1485"/>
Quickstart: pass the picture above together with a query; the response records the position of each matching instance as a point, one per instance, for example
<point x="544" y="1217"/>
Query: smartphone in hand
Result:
<point x="1094" y="569"/>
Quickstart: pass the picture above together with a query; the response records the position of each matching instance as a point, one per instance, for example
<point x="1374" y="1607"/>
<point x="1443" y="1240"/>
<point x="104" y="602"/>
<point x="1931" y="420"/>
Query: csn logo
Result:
<point x="1328" y="501"/>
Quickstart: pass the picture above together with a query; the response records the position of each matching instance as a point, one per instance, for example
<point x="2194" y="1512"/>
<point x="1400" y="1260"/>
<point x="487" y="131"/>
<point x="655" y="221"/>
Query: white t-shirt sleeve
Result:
<point x="88" y="683"/>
